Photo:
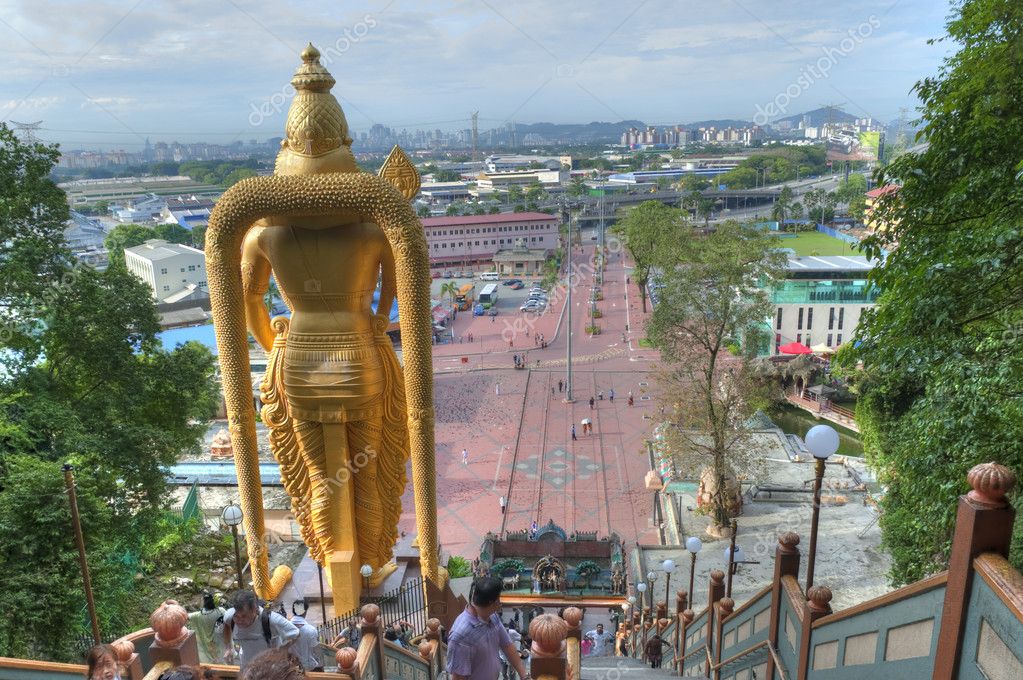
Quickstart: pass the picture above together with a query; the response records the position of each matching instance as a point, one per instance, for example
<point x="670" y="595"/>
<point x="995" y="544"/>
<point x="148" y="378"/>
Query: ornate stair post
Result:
<point x="548" y="634"/>
<point x="173" y="643"/>
<point x="818" y="604"/>
<point x="724" y="609"/>
<point x="679" y="642"/>
<point x="573" y="639"/>
<point x="983" y="524"/>
<point x="786" y="563"/>
<point x="716" y="591"/>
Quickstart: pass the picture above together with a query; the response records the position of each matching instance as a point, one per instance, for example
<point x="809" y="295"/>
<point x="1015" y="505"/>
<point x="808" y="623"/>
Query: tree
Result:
<point x="449" y="288"/>
<point x="238" y="175"/>
<point x="172" y="233"/>
<point x="703" y="208"/>
<point x="646" y="229"/>
<point x="782" y="207"/>
<point x="91" y="384"/>
<point x="713" y="298"/>
<point x="577" y="187"/>
<point x="514" y="194"/>
<point x="423" y="211"/>
<point x="943" y="362"/>
<point x="820" y="205"/>
<point x="199" y="237"/>
<point x="848" y="189"/>
<point x="125" y="236"/>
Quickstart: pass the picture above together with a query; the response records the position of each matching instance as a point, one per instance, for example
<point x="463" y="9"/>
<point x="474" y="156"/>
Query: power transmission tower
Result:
<point x="27" y="131"/>
<point x="900" y="137"/>
<point x="475" y="136"/>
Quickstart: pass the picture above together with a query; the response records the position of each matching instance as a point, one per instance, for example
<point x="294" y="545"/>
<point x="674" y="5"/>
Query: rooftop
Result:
<point x="157" y="249"/>
<point x="834" y="263"/>
<point x="501" y="218"/>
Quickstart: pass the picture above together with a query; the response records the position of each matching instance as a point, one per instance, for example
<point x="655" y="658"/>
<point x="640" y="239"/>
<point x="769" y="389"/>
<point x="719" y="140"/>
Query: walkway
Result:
<point x="835" y="414"/>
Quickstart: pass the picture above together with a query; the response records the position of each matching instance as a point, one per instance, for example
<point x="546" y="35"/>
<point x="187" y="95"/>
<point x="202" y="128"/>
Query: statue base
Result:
<point x="345" y="581"/>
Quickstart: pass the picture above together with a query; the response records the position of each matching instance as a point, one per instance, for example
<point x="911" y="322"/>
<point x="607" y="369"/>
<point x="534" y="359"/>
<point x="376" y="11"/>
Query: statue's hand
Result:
<point x="380" y="323"/>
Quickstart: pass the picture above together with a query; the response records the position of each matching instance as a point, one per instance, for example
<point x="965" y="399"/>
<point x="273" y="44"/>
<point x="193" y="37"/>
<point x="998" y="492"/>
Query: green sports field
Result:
<point x="816" y="243"/>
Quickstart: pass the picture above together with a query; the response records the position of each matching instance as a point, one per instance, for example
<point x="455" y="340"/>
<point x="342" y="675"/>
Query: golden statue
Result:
<point x="343" y="417"/>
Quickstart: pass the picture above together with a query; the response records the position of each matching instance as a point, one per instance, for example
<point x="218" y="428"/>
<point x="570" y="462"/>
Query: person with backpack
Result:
<point x="254" y="628"/>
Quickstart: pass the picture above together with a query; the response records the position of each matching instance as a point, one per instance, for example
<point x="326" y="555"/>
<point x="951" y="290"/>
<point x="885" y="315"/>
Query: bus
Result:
<point x="488" y="296"/>
<point x="463" y="298"/>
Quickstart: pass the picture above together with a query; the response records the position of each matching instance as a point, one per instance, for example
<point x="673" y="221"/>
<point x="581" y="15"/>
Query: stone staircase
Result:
<point x="617" y="667"/>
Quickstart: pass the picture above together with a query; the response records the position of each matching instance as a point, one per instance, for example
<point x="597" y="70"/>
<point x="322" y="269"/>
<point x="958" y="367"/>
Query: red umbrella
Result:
<point x="795" y="348"/>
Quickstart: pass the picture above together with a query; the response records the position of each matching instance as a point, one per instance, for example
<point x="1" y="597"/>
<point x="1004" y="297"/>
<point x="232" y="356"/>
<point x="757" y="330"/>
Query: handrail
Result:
<point x="744" y="652"/>
<point x="778" y="666"/>
<point x="888" y="598"/>
<point x="42" y="666"/>
<point x="158" y="669"/>
<point x="367" y="647"/>
<point x="1006" y="582"/>
<point x="766" y="590"/>
<point x="690" y="653"/>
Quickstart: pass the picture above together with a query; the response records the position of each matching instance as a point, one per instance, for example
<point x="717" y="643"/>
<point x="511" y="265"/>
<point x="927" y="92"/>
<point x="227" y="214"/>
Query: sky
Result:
<point x="111" y="74"/>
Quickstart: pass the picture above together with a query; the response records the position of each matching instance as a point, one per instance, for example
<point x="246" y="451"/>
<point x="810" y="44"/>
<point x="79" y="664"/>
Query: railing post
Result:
<point x="716" y="591"/>
<point x="786" y="563"/>
<point x="635" y="635"/>
<point x="548" y="634"/>
<point x="983" y="524"/>
<point x="817" y="605"/>
<point x="128" y="659"/>
<point x="680" y="606"/>
<point x="573" y="640"/>
<point x="724" y="609"/>
<point x="173" y="642"/>
<point x="370" y="623"/>
<point x="346" y="658"/>
<point x="687" y="616"/>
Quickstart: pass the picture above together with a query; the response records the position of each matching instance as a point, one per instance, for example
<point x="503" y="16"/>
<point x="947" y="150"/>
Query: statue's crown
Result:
<point x="316" y="124"/>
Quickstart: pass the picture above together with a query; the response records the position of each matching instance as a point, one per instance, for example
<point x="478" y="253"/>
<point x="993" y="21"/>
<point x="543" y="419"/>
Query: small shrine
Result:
<point x="545" y="561"/>
<point x="220" y="447"/>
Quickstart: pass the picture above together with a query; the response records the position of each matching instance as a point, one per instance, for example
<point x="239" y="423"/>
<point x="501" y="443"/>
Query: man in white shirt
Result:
<point x="254" y="629"/>
<point x="602" y="641"/>
<point x="307" y="645"/>
<point x="506" y="667"/>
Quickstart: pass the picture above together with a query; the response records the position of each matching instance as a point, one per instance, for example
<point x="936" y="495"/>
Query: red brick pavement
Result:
<point x="519" y="443"/>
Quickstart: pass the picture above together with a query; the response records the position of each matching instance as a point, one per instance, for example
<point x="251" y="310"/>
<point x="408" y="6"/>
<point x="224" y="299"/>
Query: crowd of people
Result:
<point x="266" y="644"/>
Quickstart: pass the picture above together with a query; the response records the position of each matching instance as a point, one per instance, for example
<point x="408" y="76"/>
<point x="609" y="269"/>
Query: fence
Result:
<point x="965" y="623"/>
<point x="405" y="603"/>
<point x="190" y="508"/>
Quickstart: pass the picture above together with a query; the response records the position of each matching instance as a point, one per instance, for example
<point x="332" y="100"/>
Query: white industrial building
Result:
<point x="175" y="272"/>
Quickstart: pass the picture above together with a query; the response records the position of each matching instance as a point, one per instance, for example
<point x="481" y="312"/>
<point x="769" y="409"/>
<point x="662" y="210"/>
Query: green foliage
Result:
<point x="423" y="211"/>
<point x="587" y="570"/>
<point x="219" y="173"/>
<point x="942" y="349"/>
<point x="592" y="330"/>
<point x="508" y="565"/>
<point x="780" y="165"/>
<point x="89" y="384"/>
<point x="647" y="229"/>
<point x="459" y="567"/>
<point x="820" y="205"/>
<point x="711" y="296"/>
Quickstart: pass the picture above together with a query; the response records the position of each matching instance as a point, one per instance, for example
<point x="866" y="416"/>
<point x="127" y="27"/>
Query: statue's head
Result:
<point x="316" y="134"/>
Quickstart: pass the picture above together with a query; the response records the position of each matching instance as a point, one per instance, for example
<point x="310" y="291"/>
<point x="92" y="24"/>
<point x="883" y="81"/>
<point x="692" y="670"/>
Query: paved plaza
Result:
<point x="516" y="424"/>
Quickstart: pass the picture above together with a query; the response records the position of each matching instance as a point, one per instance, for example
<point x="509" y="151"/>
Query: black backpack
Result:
<point x="264" y="619"/>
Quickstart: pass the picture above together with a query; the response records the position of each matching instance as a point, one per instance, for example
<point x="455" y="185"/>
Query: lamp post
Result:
<point x="669" y="568"/>
<point x="366" y="572"/>
<point x="232" y="517"/>
<point x="693" y="545"/>
<point x="629" y="621"/>
<point x="822" y="440"/>
<point x="730" y="558"/>
<point x="76" y="524"/>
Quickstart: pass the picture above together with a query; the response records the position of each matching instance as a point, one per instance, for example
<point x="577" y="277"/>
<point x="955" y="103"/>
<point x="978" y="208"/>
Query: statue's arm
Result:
<point x="255" y="283"/>
<point x="388" y="282"/>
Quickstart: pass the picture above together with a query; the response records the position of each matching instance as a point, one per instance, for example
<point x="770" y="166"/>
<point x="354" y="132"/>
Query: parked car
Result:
<point x="517" y="286"/>
<point x="529" y="305"/>
<point x="512" y="282"/>
<point x="478" y="310"/>
<point x="492" y="311"/>
<point x="434" y="275"/>
<point x="448" y="274"/>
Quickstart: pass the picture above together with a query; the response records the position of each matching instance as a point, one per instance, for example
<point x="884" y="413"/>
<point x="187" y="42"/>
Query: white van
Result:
<point x="489" y="276"/>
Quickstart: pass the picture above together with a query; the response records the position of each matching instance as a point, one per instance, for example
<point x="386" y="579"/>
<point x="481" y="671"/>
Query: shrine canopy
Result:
<point x="795" y="348"/>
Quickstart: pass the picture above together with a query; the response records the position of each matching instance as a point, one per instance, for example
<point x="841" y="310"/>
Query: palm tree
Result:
<point x="449" y="288"/>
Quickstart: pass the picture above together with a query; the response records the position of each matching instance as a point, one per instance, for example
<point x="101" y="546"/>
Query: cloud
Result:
<point x="35" y="103"/>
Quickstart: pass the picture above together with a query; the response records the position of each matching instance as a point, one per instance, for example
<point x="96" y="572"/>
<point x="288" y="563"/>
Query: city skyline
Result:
<point x="188" y="71"/>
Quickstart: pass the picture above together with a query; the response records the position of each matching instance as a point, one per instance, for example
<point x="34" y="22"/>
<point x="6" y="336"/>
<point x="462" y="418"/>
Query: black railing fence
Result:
<point x="405" y="603"/>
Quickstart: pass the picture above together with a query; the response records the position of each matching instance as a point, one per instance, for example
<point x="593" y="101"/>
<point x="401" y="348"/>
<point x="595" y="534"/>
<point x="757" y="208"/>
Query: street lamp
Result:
<point x="366" y="572"/>
<point x="822" y="440"/>
<point x="232" y="517"/>
<point x="641" y="587"/>
<point x="693" y="545"/>
<point x="734" y="556"/>
<point x="628" y="621"/>
<point x="669" y="568"/>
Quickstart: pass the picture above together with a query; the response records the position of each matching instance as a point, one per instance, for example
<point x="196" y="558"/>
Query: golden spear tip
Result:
<point x="310" y="54"/>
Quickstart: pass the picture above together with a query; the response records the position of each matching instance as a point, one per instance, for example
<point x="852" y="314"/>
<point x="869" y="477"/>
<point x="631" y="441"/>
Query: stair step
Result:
<point x="598" y="668"/>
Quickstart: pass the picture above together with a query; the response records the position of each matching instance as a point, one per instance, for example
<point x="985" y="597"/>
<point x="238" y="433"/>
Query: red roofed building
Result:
<point x="873" y="197"/>
<point x="474" y="240"/>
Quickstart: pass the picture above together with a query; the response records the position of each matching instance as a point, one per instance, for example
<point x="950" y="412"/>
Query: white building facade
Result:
<point x="821" y="300"/>
<point x="173" y="271"/>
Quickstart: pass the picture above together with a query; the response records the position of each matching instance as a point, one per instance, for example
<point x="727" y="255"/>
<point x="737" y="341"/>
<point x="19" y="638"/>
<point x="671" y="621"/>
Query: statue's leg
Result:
<point x="366" y="439"/>
<point x="312" y="446"/>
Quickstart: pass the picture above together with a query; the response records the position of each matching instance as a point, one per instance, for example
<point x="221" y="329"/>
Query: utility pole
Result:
<point x="568" y="301"/>
<point x="76" y="523"/>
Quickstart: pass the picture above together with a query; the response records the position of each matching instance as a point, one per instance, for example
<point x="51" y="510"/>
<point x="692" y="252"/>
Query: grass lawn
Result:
<point x="816" y="243"/>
